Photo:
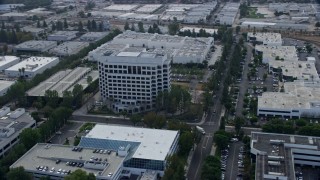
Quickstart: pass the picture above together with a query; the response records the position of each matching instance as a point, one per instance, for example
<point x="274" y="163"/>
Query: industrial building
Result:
<point x="149" y="8"/>
<point x="121" y="8"/>
<point x="228" y="14"/>
<point x="15" y="16"/>
<point x="182" y="49"/>
<point x="270" y="53"/>
<point x="276" y="155"/>
<point x="63" y="36"/>
<point x="93" y="36"/>
<point x="4" y="86"/>
<point x="31" y="66"/>
<point x="109" y="152"/>
<point x="302" y="9"/>
<point x="299" y="99"/>
<point x="12" y="124"/>
<point x="8" y="61"/>
<point x="35" y="46"/>
<point x="64" y="81"/>
<point x="269" y="39"/>
<point x="283" y="25"/>
<point x="34" y="31"/>
<point x="132" y="78"/>
<point x="68" y="48"/>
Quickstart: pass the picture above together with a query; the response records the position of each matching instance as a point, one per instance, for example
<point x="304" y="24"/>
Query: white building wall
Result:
<point x="9" y="64"/>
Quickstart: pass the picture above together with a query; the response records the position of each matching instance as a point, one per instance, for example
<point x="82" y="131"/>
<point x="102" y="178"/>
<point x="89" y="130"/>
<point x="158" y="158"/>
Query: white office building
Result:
<point x="63" y="36"/>
<point x="12" y="124"/>
<point x="109" y="152"/>
<point x="299" y="99"/>
<point x="276" y="155"/>
<point x="8" y="61"/>
<point x="31" y="66"/>
<point x="131" y="79"/>
<point x="269" y="39"/>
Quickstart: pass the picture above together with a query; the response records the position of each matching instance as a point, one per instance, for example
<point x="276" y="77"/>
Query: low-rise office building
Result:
<point x="63" y="36"/>
<point x="8" y="61"/>
<point x="109" y="152"/>
<point x="270" y="39"/>
<point x="31" y="66"/>
<point x="12" y="124"/>
<point x="299" y="99"/>
<point x="281" y="53"/>
<point x="35" y="46"/>
<point x="68" y="48"/>
<point x="277" y="154"/>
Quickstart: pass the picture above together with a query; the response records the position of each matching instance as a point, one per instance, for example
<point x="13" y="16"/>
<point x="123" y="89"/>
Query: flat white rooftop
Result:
<point x="149" y="8"/>
<point x="64" y="33"/>
<point x="297" y="95"/>
<point x="155" y="143"/>
<point x="35" y="45"/>
<point x="7" y="59"/>
<point x="197" y="30"/>
<point x="5" y="84"/>
<point x="69" y="48"/>
<point x="288" y="53"/>
<point x="267" y="37"/>
<point x="33" y="64"/>
<point x="121" y="7"/>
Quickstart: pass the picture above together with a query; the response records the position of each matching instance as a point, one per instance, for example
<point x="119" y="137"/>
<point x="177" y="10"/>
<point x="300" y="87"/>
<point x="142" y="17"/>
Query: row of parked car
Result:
<point x="241" y="157"/>
<point x="224" y="157"/>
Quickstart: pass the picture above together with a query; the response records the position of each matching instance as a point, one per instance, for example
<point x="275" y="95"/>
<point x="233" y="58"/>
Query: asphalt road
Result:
<point x="211" y="125"/>
<point x="67" y="131"/>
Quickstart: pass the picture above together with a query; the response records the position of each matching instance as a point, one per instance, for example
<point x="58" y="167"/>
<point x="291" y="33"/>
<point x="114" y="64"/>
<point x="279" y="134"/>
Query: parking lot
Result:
<point x="234" y="162"/>
<point x="307" y="173"/>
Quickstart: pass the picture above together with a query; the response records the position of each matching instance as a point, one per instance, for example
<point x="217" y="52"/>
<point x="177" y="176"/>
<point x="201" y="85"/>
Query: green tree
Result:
<point x="29" y="137"/>
<point x="53" y="27"/>
<point x="52" y="98"/>
<point x="185" y="143"/>
<point x="221" y="139"/>
<point x="173" y="27"/>
<point x="126" y="26"/>
<point x="38" y="24"/>
<point x="238" y="123"/>
<point x="18" y="174"/>
<point x="132" y="27"/>
<point x="77" y="93"/>
<point x="67" y="99"/>
<point x="80" y="26"/>
<point x="238" y="29"/>
<point x="81" y="14"/>
<point x="89" y="79"/>
<point x="140" y="27"/>
<point x="135" y="119"/>
<point x="90" y="4"/>
<point x="94" y="25"/>
<point x="79" y="175"/>
<point x="89" y="25"/>
<point x="65" y="23"/>
<point x="150" y="30"/>
<point x="44" y="24"/>
<point x="211" y="169"/>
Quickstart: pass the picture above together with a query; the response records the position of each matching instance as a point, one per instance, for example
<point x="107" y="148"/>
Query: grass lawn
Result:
<point x="253" y="13"/>
<point x="182" y="84"/>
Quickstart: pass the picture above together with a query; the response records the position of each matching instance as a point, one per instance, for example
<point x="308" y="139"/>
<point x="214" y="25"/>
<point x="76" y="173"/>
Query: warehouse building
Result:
<point x="8" y="61"/>
<point x="35" y="46"/>
<point x="64" y="81"/>
<point x="121" y="8"/>
<point x="149" y="8"/>
<point x="228" y="14"/>
<point x="68" y="48"/>
<point x="31" y="66"/>
<point x="182" y="49"/>
<point x="63" y="36"/>
<point x="4" y="86"/>
<point x="93" y="36"/>
<point x="12" y="124"/>
<point x="109" y="152"/>
<point x="269" y="39"/>
<point x="15" y="16"/>
<point x="276" y="155"/>
<point x="299" y="99"/>
<point x="271" y="53"/>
